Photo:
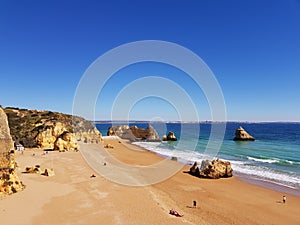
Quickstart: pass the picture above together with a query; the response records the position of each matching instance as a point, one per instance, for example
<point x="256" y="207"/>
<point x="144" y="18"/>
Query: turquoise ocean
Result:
<point x="272" y="160"/>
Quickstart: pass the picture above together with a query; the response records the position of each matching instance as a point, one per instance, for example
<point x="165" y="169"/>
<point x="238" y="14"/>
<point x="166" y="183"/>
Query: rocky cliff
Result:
<point x="6" y="141"/>
<point x="51" y="130"/>
<point x="9" y="181"/>
<point x="134" y="133"/>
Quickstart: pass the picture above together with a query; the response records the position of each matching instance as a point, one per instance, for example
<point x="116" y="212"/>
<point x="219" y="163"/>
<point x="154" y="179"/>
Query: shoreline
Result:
<point x="243" y="177"/>
<point x="240" y="176"/>
<point x="242" y="188"/>
<point x="269" y="185"/>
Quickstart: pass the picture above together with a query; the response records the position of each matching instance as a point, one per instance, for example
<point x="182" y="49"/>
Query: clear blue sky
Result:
<point x="252" y="47"/>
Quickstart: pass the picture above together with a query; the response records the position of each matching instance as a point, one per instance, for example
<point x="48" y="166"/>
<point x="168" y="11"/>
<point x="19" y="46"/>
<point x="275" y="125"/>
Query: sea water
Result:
<point x="273" y="157"/>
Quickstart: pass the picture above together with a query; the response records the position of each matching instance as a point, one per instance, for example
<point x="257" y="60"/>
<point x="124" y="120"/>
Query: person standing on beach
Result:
<point x="284" y="199"/>
<point x="194" y="204"/>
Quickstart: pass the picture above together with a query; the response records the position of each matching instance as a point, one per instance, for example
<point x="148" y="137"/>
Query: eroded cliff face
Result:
<point x="50" y="130"/>
<point x="9" y="180"/>
<point x="134" y="133"/>
<point x="6" y="141"/>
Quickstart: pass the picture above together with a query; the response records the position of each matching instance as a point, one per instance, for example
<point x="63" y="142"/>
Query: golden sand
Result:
<point x="73" y="197"/>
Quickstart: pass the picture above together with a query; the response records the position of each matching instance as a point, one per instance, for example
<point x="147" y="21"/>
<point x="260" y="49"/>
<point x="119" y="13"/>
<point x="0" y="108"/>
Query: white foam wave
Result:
<point x="262" y="173"/>
<point x="263" y="160"/>
<point x="292" y="163"/>
<point x="181" y="155"/>
<point x="268" y="175"/>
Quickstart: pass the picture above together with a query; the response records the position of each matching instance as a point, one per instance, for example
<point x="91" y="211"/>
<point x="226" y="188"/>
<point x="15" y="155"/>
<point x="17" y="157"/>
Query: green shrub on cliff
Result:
<point x="25" y="124"/>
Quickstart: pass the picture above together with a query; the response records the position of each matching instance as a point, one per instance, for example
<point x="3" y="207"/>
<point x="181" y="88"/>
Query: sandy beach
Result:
<point x="71" y="196"/>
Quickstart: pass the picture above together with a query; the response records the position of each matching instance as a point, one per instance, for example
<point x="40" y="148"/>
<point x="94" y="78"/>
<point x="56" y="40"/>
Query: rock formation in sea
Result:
<point x="50" y="130"/>
<point x="242" y="135"/>
<point x="9" y="180"/>
<point x="212" y="169"/>
<point x="134" y="133"/>
<point x="170" y="137"/>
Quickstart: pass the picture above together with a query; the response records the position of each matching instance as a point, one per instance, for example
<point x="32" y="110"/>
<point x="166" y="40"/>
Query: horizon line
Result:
<point x="200" y="121"/>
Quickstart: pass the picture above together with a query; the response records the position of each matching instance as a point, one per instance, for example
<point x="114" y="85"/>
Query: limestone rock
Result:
<point x="34" y="128"/>
<point x="89" y="136"/>
<point x="6" y="142"/>
<point x="7" y="155"/>
<point x="170" y="137"/>
<point x="212" y="169"/>
<point x="47" y="137"/>
<point x="134" y="133"/>
<point x="33" y="169"/>
<point x="48" y="172"/>
<point x="65" y="142"/>
<point x="108" y="146"/>
<point x="194" y="170"/>
<point x="215" y="169"/>
<point x="111" y="131"/>
<point x="242" y="135"/>
<point x="119" y="131"/>
<point x="37" y="170"/>
<point x="9" y="181"/>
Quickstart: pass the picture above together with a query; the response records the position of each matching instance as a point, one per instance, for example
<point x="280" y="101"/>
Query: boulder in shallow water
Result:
<point x="242" y="135"/>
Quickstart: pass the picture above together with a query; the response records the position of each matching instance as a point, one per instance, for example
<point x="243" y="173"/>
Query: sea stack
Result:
<point x="170" y="137"/>
<point x="242" y="135"/>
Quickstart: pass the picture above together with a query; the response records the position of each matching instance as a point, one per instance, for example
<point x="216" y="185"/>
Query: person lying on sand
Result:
<point x="175" y="213"/>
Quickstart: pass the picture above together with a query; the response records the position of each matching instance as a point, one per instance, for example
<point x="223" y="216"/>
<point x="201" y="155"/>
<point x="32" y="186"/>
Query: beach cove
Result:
<point x="73" y="197"/>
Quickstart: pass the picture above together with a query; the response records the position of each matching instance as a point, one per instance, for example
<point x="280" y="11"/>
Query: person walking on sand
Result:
<point x="194" y="204"/>
<point x="284" y="199"/>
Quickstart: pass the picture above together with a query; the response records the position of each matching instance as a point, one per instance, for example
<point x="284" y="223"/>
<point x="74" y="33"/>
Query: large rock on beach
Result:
<point x="50" y="130"/>
<point x="134" y="133"/>
<point x="9" y="180"/>
<point x="214" y="169"/>
<point x="194" y="170"/>
<point x="242" y="135"/>
<point x="170" y="137"/>
<point x="6" y="141"/>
